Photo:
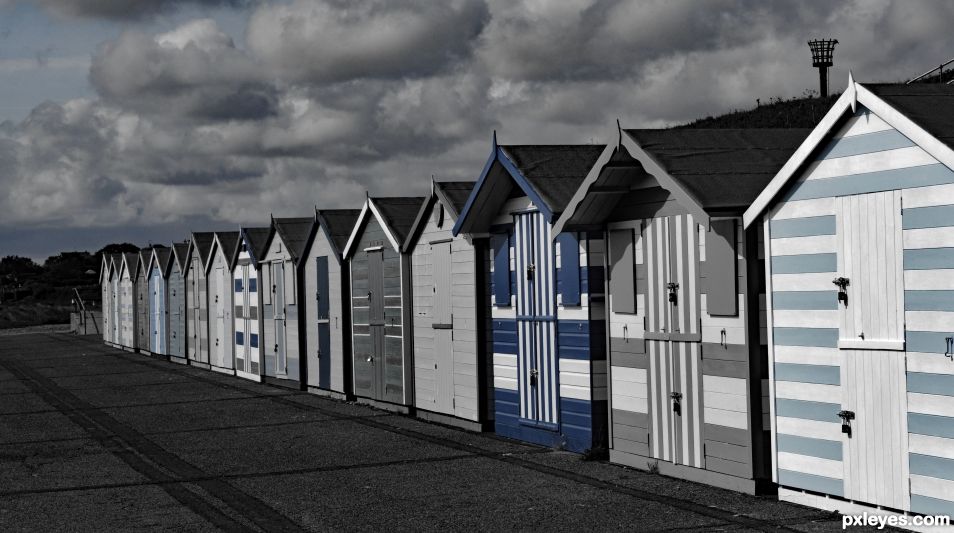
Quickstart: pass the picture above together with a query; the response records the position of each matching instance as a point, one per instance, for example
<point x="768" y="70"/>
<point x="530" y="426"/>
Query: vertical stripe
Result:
<point x="656" y="430"/>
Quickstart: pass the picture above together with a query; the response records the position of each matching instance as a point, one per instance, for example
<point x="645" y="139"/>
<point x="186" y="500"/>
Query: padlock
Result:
<point x="846" y="429"/>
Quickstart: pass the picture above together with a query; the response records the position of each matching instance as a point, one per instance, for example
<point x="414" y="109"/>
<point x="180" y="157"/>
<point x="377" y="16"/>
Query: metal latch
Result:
<point x="846" y="418"/>
<point x="949" y="348"/>
<point x="533" y="376"/>
<point x="676" y="405"/>
<point x="370" y="359"/>
<point x="673" y="287"/>
<point x="842" y="284"/>
<point x="531" y="270"/>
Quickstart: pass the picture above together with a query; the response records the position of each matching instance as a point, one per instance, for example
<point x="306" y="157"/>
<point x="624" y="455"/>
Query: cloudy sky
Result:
<point x="140" y="121"/>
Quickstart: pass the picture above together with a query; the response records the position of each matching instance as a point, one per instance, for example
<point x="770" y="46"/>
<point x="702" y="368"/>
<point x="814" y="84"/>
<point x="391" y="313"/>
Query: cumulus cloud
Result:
<point x="322" y="100"/>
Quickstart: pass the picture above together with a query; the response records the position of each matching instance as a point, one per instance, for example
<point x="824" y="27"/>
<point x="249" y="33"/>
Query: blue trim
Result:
<point x="252" y="284"/>
<point x="239" y="338"/>
<point x="573" y="339"/>
<point x="473" y="193"/>
<point x="501" y="278"/>
<point x="924" y="383"/>
<point x="804" y="263"/>
<point x="879" y="181"/>
<point x="929" y="259"/>
<point x="928" y="465"/>
<point x="935" y="216"/>
<point x="238" y="285"/>
<point x="504" y="335"/>
<point x="824" y="449"/>
<point x="821" y="337"/>
<point x="821" y="374"/>
<point x="822" y="484"/>
<point x="803" y="227"/>
<point x="804" y="409"/>
<point x="927" y="505"/>
<point x="865" y="143"/>
<point x="927" y="341"/>
<point x="929" y="300"/>
<point x="805" y="300"/>
<point x="253" y="340"/>
<point x="933" y="425"/>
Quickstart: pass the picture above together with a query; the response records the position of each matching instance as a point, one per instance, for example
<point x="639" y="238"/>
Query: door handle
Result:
<point x="672" y="287"/>
<point x="533" y="376"/>
<point x="842" y="284"/>
<point x="370" y="359"/>
<point x="531" y="270"/>
<point x="846" y="418"/>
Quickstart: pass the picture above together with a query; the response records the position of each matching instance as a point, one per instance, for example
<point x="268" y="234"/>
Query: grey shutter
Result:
<point x="721" y="265"/>
<point x="622" y="271"/>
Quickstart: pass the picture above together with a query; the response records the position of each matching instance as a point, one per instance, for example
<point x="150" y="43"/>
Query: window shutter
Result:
<point x="569" y="268"/>
<point x="290" y="289"/>
<point x="722" y="263"/>
<point x="622" y="271"/>
<point x="501" y="250"/>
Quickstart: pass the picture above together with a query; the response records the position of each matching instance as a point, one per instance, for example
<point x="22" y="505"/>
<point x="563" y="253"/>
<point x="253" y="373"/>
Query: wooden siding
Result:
<point x="197" y="311"/>
<point x="444" y="289"/>
<point x="176" y="311"/>
<point x="221" y="325"/>
<point x="282" y="353"/>
<point x="247" y="341"/>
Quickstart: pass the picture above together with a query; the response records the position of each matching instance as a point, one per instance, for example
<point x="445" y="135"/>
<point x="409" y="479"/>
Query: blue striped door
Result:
<point x="537" y="373"/>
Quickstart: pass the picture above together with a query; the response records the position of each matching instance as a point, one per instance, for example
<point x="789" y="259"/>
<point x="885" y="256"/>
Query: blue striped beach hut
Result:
<point x="859" y="236"/>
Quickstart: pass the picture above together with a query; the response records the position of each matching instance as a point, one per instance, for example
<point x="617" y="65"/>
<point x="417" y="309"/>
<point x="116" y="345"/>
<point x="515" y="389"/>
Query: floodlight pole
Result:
<point x="822" y="52"/>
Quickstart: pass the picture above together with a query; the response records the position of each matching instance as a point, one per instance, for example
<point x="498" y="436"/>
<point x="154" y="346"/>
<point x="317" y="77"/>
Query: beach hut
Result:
<point x="105" y="282"/>
<point x="218" y="272"/>
<point x="175" y="280"/>
<point x="143" y="324"/>
<point x="327" y="304"/>
<point x="157" y="270"/>
<point x="281" y="275"/>
<point x="197" y="301"/>
<point x="547" y="321"/>
<point x="127" y="300"/>
<point x="860" y="294"/>
<point x="382" y="363"/>
<point x="246" y="273"/>
<point x="687" y="362"/>
<point x="450" y="310"/>
<point x="115" y="303"/>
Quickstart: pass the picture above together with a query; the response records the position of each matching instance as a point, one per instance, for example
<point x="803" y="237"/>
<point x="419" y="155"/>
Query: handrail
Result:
<point x="937" y="68"/>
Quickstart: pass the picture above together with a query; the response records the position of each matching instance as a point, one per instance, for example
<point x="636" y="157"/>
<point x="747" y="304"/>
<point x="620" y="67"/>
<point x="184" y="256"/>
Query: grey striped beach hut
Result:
<point x="247" y="302"/>
<point x="281" y="271"/>
<point x="197" y="299"/>
<point x="687" y="365"/>
<point x="177" y="302"/>
<point x="107" y="295"/>
<point x="327" y="304"/>
<point x="859" y="229"/>
<point x="450" y="306"/>
<point x="127" y="300"/>
<point x="142" y="299"/>
<point x="382" y="363"/>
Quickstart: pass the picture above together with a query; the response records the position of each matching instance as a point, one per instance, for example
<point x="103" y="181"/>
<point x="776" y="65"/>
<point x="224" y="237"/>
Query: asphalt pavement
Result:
<point x="97" y="439"/>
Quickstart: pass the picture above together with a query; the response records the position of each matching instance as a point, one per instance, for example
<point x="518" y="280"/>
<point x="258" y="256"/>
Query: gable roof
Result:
<point x="257" y="240"/>
<point x="395" y="214"/>
<point x="227" y="241"/>
<point x="130" y="262"/>
<point x="180" y="251"/>
<point x="917" y="111"/>
<point x="201" y="245"/>
<point x="145" y="256"/>
<point x="548" y="175"/>
<point x="295" y="233"/>
<point x="451" y="194"/>
<point x="338" y="225"/>
<point x="162" y="258"/>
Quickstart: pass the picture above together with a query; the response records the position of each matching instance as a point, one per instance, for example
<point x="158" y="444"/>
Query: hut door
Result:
<point x="217" y="305"/>
<point x="443" y="327"/>
<point x="536" y="321"/>
<point x="871" y="342"/>
<point x="278" y="308"/>
<point x="377" y="322"/>
<point x="673" y="334"/>
<point x="324" y="327"/>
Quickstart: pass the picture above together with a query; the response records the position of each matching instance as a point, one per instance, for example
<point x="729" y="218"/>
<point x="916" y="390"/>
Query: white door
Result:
<point x="443" y="326"/>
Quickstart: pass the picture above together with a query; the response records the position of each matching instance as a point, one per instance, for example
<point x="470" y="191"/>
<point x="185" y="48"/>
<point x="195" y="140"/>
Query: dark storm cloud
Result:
<point x="323" y="100"/>
<point x="125" y="9"/>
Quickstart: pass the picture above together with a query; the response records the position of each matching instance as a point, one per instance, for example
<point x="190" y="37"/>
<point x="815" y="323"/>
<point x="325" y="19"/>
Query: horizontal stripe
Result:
<point x="930" y="404"/>
<point x="803" y="227"/>
<point x="917" y="239"/>
<point x="926" y="341"/>
<point x="795" y="390"/>
<point x="795" y="462"/>
<point x="803" y="319"/>
<point x="930" y="363"/>
<point x="802" y="282"/>
<point x="910" y="156"/>
<point x="821" y="337"/>
<point x="938" y="426"/>
<point x="824" y="375"/>
<point x="820" y="411"/>
<point x="935" y="216"/>
<point x="815" y="429"/>
<point x="929" y="258"/>
<point x="929" y="196"/>
<point x="864" y="121"/>
<point x="931" y="506"/>
<point x="800" y="480"/>
<point x="805" y="300"/>
<point x="932" y="487"/>
<point x="927" y="465"/>
<point x="804" y="263"/>
<point x="929" y="300"/>
<point x="883" y="180"/>
<point x="805" y="208"/>
<point x="815" y="244"/>
<point x="824" y="449"/>
<point x="931" y="383"/>
<point x="929" y="320"/>
<point x="928" y="445"/>
<point x="865" y="144"/>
